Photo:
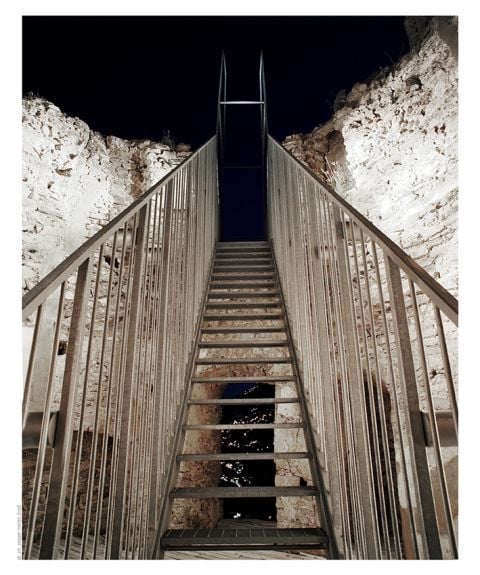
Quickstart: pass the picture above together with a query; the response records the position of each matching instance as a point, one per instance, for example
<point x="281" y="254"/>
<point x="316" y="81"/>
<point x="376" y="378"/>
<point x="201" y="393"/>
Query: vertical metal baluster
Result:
<point x="130" y="387"/>
<point x="60" y="465"/>
<point x="114" y="376"/>
<point x="380" y="409"/>
<point x="357" y="413"/>
<point x="147" y="369"/>
<point x="446" y="365"/>
<point x="155" y="381"/>
<point x="31" y="360"/>
<point x="80" y="432"/>
<point x="136" y="433"/>
<point x="158" y="434"/>
<point x="356" y="391"/>
<point x="433" y="422"/>
<point x="344" y="398"/>
<point x="332" y="416"/>
<point x="381" y="527"/>
<point x="42" y="444"/>
<point x="408" y="529"/>
<point x="132" y="256"/>
<point x="93" y="452"/>
<point x="420" y="471"/>
<point x="157" y="416"/>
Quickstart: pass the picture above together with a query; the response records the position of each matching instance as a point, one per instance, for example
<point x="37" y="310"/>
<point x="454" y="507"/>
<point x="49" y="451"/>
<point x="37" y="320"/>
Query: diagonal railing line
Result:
<point x="53" y="279"/>
<point x="376" y="342"/>
<point x="125" y="318"/>
<point x="441" y="296"/>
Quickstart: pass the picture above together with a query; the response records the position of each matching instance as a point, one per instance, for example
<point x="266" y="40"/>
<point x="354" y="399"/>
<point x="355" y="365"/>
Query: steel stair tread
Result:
<point x="245" y="538"/>
<point x="243" y="456"/>
<point x="235" y="426"/>
<point x="246" y="379"/>
<point x="242" y="492"/>
<point x="225" y="255"/>
<point x="235" y="285"/>
<point x="244" y="343"/>
<point x="246" y="295"/>
<point x="231" y="276"/>
<point x="240" y="360"/>
<point x="244" y="401"/>
<point x="242" y="305"/>
<point x="242" y="317"/>
<point x="219" y="261"/>
<point x="262" y="243"/>
<point x="236" y="329"/>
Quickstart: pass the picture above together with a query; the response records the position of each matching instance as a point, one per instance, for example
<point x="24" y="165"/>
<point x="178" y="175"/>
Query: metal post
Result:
<point x="413" y="418"/>
<point x="127" y="408"/>
<point x="356" y="388"/>
<point x="60" y="466"/>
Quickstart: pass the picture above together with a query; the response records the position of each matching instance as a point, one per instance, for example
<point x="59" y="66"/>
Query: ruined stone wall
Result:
<point x="75" y="181"/>
<point x="390" y="149"/>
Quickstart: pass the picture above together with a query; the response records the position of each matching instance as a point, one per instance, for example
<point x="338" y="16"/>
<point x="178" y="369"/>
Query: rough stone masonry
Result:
<point x="391" y="148"/>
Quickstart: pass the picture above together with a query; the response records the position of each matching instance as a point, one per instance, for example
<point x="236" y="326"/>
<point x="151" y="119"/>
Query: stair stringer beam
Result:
<point x="179" y="436"/>
<point x="323" y="506"/>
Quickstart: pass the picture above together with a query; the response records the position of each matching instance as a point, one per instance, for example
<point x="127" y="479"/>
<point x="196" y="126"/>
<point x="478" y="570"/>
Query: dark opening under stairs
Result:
<point x="244" y="316"/>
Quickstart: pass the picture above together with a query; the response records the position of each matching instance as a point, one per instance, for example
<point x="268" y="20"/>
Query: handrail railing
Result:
<point x="375" y="336"/>
<point x="51" y="281"/>
<point x="112" y="331"/>
<point x="447" y="303"/>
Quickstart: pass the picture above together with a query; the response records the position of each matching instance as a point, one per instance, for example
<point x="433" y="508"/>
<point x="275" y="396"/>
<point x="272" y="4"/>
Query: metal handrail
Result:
<point x="34" y="297"/>
<point x="124" y="307"/>
<point x="442" y="297"/>
<point x="371" y="330"/>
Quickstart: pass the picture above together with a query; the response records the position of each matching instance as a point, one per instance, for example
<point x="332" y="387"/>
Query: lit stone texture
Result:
<point x="391" y="150"/>
<point x="75" y="181"/>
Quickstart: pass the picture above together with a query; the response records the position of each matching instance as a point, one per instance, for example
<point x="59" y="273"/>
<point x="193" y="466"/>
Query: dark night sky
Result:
<point x="137" y="77"/>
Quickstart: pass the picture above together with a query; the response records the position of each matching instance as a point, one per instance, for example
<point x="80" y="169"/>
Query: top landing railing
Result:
<point x="376" y="341"/>
<point x="110" y="332"/>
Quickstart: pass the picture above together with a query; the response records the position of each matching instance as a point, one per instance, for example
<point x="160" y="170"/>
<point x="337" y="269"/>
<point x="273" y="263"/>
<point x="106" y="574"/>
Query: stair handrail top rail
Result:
<point x="39" y="293"/>
<point x="442" y="298"/>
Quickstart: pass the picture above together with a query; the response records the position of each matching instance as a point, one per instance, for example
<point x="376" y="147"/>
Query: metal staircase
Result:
<point x="243" y="309"/>
<point x="117" y="353"/>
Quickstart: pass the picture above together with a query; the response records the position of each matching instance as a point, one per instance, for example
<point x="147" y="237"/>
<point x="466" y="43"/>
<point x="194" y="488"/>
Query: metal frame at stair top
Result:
<point x="223" y="103"/>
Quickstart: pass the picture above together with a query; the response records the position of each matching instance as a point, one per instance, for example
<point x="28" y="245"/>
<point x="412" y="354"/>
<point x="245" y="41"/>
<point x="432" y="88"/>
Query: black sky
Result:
<point x="135" y="77"/>
<point x="139" y="77"/>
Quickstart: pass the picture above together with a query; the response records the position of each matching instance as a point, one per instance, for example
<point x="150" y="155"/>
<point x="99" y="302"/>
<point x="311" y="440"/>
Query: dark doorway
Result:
<point x="248" y="473"/>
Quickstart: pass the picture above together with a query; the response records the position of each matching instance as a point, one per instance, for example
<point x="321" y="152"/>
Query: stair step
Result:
<point x="244" y="539"/>
<point x="236" y="285"/>
<point x="235" y="426"/>
<point x="241" y="492"/>
<point x="246" y="379"/>
<point x="262" y="329"/>
<point x="243" y="305"/>
<point x="241" y="317"/>
<point x="244" y="343"/>
<point x="260" y="243"/>
<point x="242" y="456"/>
<point x="226" y="261"/>
<point x="245" y="294"/>
<point x="241" y="360"/>
<point x="243" y="255"/>
<point x="224" y="276"/>
<point x="246" y="247"/>
<point x="240" y="268"/>
<point x="244" y="401"/>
